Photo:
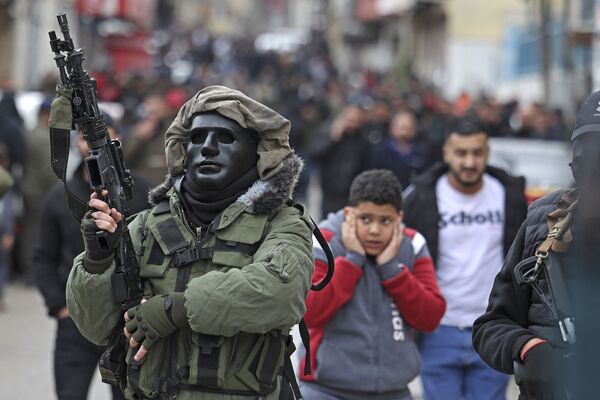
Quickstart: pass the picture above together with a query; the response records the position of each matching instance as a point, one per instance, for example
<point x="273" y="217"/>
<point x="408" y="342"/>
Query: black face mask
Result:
<point x="220" y="165"/>
<point x="220" y="151"/>
<point x="586" y="171"/>
<point x="586" y="160"/>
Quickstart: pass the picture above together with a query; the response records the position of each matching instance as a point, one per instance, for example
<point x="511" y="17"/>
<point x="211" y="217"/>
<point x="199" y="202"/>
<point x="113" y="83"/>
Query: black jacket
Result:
<point x="59" y="239"/>
<point x="339" y="163"/>
<point x="421" y="210"/>
<point x="515" y="313"/>
<point x="385" y="156"/>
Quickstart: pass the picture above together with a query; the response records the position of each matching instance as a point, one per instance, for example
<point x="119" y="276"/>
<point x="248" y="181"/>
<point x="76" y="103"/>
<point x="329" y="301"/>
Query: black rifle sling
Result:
<point x="59" y="148"/>
<point x="324" y="245"/>
<point x="330" y="261"/>
<point x="59" y="151"/>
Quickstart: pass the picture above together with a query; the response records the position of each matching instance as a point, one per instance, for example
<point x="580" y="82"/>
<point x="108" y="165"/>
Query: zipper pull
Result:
<point x="199" y="232"/>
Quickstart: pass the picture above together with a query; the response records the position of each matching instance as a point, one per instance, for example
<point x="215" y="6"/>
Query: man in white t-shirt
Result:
<point x="469" y="213"/>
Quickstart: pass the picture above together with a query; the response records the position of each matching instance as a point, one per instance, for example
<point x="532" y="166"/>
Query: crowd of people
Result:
<point x="416" y="253"/>
<point x="340" y="126"/>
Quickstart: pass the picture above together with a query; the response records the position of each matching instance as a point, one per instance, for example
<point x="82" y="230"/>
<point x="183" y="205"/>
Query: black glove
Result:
<point x="539" y="376"/>
<point x="156" y="318"/>
<point x="98" y="249"/>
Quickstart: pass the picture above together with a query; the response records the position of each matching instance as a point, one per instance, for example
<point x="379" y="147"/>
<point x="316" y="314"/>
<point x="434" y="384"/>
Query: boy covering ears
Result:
<point x="384" y="287"/>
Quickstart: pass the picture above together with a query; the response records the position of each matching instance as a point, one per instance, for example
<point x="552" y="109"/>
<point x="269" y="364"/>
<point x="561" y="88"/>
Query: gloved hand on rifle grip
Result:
<point x="154" y="319"/>
<point x="101" y="233"/>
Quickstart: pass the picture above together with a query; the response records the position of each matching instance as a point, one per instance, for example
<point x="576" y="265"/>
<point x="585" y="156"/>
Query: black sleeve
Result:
<point x="523" y="202"/>
<point x="322" y="144"/>
<point x="500" y="333"/>
<point x="17" y="144"/>
<point x="47" y="252"/>
<point x="409" y="200"/>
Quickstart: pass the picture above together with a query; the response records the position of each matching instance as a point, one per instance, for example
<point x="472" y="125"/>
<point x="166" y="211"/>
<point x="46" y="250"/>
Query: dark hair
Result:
<point x="378" y="186"/>
<point x="465" y="127"/>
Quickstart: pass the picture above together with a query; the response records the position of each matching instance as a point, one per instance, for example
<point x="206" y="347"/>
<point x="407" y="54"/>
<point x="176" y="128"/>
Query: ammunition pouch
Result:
<point x="243" y="365"/>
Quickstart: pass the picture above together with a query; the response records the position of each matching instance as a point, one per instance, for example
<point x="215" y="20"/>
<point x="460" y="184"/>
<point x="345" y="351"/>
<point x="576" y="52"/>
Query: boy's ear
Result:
<point x="400" y="215"/>
<point x="347" y="211"/>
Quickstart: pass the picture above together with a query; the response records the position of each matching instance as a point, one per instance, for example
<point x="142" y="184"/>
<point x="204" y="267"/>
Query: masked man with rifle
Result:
<point x="548" y="285"/>
<point x="225" y="259"/>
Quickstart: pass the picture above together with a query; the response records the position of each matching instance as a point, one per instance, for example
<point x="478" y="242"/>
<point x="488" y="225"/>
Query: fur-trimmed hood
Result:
<point x="264" y="196"/>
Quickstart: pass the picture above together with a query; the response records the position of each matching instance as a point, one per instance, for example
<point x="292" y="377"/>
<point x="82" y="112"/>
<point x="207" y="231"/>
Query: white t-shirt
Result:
<point x="470" y="250"/>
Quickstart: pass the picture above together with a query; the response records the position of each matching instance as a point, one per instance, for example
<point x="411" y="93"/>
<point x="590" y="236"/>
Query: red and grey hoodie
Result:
<point x="361" y="324"/>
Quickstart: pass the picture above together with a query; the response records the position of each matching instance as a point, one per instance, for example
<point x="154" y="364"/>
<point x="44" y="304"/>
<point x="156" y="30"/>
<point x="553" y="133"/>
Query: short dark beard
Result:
<point x="466" y="185"/>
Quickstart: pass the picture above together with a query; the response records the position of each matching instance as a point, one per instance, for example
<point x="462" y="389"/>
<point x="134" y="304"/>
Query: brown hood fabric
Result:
<point x="273" y="129"/>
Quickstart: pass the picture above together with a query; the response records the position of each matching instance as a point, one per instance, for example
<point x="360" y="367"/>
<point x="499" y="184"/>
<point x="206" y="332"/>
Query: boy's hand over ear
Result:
<point x="349" y="237"/>
<point x="391" y="250"/>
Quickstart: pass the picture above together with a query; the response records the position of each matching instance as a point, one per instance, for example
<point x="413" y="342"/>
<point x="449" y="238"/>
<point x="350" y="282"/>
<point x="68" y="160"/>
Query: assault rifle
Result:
<point x="107" y="172"/>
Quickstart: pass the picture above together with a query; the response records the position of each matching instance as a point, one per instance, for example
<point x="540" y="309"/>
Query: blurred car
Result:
<point x="544" y="164"/>
<point x="281" y="41"/>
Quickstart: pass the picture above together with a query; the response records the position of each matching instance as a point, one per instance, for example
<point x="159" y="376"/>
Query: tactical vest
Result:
<point x="245" y="364"/>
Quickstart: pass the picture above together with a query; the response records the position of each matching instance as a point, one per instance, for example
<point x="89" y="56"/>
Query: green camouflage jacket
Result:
<point x="242" y="296"/>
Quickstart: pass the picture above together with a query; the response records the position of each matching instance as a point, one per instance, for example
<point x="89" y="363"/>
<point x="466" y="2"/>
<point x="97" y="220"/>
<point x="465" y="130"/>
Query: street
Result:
<point x="26" y="345"/>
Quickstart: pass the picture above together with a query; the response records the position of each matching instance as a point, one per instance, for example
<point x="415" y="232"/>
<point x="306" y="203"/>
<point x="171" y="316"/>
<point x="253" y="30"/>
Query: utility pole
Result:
<point x="545" y="49"/>
<point x="595" y="67"/>
<point x="567" y="57"/>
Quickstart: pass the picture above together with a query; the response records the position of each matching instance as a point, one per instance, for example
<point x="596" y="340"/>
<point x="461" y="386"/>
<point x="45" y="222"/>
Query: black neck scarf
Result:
<point x="201" y="206"/>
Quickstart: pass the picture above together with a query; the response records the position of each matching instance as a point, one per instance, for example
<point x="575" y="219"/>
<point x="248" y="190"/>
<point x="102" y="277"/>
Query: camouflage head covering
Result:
<point x="273" y="129"/>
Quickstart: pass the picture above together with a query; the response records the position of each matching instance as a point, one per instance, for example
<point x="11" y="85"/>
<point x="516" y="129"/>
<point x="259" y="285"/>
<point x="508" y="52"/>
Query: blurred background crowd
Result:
<point x="366" y="83"/>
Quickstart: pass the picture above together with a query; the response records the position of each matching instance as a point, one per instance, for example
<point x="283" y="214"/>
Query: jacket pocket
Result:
<point x="154" y="263"/>
<point x="236" y="244"/>
<point x="285" y="262"/>
<point x="240" y="362"/>
<point x="263" y="363"/>
<point x="245" y="373"/>
<point x="210" y="359"/>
